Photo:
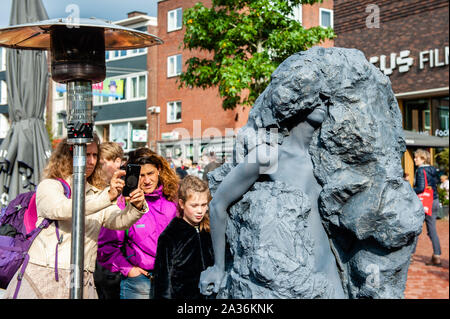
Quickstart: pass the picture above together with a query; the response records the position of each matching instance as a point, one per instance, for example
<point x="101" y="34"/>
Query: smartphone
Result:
<point x="131" y="179"/>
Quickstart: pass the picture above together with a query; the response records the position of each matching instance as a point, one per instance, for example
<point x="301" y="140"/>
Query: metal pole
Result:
<point x="78" y="200"/>
<point x="79" y="132"/>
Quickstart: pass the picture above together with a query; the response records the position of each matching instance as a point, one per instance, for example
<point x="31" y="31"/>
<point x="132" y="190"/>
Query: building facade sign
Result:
<point x="402" y="60"/>
<point x="441" y="133"/>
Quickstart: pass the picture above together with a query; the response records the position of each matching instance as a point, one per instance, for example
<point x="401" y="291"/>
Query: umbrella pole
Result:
<point x="78" y="210"/>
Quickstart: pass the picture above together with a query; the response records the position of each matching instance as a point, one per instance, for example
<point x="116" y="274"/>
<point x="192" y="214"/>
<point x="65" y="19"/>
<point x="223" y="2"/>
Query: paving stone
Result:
<point x="429" y="282"/>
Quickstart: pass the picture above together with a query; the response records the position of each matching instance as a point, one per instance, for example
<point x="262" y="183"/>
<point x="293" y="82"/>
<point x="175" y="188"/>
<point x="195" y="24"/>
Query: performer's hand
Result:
<point x="210" y="280"/>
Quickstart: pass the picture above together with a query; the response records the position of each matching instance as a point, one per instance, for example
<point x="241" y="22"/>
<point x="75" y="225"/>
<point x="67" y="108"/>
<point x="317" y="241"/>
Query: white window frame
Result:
<point x="59" y="125"/>
<point x="128" y="88"/>
<point x="111" y="100"/>
<point x="172" y="24"/>
<point x="128" y="54"/>
<point x="331" y="17"/>
<point x="172" y="61"/>
<point x="3" y="92"/>
<point x="2" y="59"/>
<point x="58" y="95"/>
<point x="129" y="122"/>
<point x="170" y="105"/>
<point x="427" y="113"/>
<point x="4" y="126"/>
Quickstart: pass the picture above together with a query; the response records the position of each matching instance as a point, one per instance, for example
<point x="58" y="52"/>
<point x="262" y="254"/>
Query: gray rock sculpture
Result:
<point x="314" y="204"/>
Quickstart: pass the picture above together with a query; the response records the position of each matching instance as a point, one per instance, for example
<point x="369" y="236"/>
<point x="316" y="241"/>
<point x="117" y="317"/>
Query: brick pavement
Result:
<point x="429" y="282"/>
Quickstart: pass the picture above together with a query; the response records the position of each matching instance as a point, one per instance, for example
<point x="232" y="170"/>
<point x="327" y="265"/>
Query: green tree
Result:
<point x="48" y="126"/>
<point x="442" y="159"/>
<point x="246" y="41"/>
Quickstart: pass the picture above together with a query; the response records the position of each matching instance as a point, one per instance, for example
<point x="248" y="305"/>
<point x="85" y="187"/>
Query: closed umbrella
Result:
<point x="26" y="147"/>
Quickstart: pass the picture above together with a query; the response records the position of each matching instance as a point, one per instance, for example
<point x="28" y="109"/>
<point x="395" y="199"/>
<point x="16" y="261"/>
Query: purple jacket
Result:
<point x="140" y="249"/>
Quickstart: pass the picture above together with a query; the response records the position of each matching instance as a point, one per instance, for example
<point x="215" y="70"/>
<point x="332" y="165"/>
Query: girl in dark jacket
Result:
<point x="422" y="159"/>
<point x="184" y="247"/>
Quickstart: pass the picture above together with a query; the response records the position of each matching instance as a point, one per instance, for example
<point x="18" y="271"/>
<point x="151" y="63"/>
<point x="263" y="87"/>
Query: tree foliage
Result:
<point x="442" y="159"/>
<point x="247" y="40"/>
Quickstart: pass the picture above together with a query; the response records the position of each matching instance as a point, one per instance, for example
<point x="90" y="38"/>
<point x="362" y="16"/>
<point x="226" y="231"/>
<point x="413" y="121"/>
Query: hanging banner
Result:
<point x="108" y="88"/>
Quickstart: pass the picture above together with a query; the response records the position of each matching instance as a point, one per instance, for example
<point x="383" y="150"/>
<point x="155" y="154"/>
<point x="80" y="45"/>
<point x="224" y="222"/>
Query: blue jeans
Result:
<point x="135" y="287"/>
<point x="430" y="221"/>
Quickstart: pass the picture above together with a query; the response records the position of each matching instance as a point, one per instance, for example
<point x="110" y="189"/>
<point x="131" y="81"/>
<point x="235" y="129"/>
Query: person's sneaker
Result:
<point x="435" y="261"/>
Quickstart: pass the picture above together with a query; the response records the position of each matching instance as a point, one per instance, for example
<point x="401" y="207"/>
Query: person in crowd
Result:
<point x="181" y="170"/>
<point x="445" y="185"/>
<point x="171" y="164"/>
<point x="185" y="248"/>
<point x="106" y="282"/>
<point x="41" y="279"/>
<point x="212" y="165"/>
<point x="422" y="160"/>
<point x="112" y="157"/>
<point x="132" y="252"/>
<point x="191" y="168"/>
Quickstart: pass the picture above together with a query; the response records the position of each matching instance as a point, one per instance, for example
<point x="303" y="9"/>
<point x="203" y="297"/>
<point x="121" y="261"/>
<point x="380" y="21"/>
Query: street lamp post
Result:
<point x="78" y="60"/>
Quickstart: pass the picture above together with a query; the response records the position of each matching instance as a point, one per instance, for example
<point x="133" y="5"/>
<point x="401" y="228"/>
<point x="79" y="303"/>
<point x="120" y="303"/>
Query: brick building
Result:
<point x="408" y="41"/>
<point x="190" y="122"/>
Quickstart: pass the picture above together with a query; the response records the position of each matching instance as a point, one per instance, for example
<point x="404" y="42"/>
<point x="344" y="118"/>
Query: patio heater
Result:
<point x="78" y="60"/>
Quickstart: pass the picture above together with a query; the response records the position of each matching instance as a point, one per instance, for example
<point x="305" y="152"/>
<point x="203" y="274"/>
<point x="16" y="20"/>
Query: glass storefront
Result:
<point x="119" y="134"/>
<point x="195" y="150"/>
<point x="427" y="116"/>
<point x="440" y="110"/>
<point x="417" y="115"/>
<point x="130" y="135"/>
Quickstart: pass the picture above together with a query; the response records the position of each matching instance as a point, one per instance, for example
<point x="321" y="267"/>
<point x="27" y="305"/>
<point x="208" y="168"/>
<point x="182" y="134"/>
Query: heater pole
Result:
<point x="79" y="133"/>
<point x="78" y="210"/>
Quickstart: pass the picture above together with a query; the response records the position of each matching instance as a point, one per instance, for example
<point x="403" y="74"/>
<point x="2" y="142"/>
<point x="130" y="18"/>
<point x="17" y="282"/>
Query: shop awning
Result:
<point x="422" y="140"/>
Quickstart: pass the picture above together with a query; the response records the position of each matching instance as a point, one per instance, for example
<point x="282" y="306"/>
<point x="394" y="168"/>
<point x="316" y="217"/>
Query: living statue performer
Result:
<point x="314" y="204"/>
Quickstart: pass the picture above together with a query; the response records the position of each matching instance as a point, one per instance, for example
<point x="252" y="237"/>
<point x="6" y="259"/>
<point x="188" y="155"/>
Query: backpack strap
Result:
<point x="425" y="175"/>
<point x="66" y="186"/>
<point x="68" y="194"/>
<point x="20" y="275"/>
<point x="60" y="239"/>
<point x="45" y="223"/>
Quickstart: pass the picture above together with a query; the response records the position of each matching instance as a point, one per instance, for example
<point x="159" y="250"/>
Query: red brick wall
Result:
<point x="310" y="18"/>
<point x="197" y="103"/>
<point x="404" y="25"/>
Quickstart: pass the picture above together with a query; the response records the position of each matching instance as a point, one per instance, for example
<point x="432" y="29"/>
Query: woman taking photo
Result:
<point x="42" y="279"/>
<point x="133" y="252"/>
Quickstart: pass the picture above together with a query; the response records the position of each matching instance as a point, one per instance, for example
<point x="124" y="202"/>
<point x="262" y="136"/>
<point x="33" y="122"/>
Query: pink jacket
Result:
<point x="142" y="239"/>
